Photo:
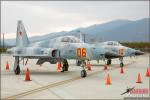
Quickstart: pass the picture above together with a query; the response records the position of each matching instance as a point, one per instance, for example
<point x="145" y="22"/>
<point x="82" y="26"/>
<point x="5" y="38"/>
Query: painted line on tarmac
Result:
<point x="46" y="87"/>
<point x="57" y="84"/>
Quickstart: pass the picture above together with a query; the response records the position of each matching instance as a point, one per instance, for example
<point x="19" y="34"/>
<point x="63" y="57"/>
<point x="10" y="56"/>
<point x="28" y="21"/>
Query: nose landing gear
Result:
<point x="121" y="62"/>
<point x="16" y="66"/>
<point x="83" y="72"/>
<point x="109" y="62"/>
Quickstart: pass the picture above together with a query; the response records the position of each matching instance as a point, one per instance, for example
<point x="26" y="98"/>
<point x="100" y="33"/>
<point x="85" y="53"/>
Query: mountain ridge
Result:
<point x="117" y="30"/>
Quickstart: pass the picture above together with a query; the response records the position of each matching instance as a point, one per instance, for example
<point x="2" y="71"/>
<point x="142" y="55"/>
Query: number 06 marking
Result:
<point x="81" y="52"/>
<point x="121" y="52"/>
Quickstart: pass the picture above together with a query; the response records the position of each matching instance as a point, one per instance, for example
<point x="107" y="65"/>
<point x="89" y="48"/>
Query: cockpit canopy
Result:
<point x="70" y="39"/>
<point x="112" y="43"/>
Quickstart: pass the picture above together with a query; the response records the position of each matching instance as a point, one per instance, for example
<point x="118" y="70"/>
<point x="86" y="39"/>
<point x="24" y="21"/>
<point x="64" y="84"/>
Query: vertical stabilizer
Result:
<point x="22" y="38"/>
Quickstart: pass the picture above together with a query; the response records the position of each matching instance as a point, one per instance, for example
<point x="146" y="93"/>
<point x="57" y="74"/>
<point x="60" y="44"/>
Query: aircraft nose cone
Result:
<point x="139" y="53"/>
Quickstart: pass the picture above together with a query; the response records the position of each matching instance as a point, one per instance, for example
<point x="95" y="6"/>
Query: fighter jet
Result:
<point x="55" y="50"/>
<point x="113" y="46"/>
<point x="119" y="49"/>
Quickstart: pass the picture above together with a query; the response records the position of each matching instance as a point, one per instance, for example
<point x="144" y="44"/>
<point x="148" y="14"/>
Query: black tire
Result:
<point x="66" y="68"/>
<point x="65" y="65"/>
<point x="63" y="69"/>
<point x="17" y="70"/>
<point x="109" y="62"/>
<point x="83" y="73"/>
<point x="121" y="64"/>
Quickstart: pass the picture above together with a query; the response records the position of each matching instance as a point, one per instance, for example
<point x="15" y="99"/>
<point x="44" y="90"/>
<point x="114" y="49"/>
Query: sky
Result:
<point x="43" y="17"/>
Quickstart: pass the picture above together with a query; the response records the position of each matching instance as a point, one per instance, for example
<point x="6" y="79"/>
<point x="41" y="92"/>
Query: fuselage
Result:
<point x="60" y="48"/>
<point x="116" y="47"/>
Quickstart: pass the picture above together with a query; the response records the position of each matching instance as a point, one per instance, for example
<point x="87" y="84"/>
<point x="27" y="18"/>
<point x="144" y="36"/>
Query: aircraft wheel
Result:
<point x="66" y="68"/>
<point x="83" y="73"/>
<point x="121" y="64"/>
<point x="108" y="61"/>
<point x="63" y="69"/>
<point x="65" y="65"/>
<point x="17" y="70"/>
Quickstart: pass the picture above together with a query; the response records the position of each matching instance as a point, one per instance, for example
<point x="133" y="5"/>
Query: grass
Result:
<point x="3" y="50"/>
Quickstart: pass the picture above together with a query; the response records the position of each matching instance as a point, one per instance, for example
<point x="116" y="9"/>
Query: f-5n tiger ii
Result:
<point x="113" y="46"/>
<point x="55" y="50"/>
<point x="116" y="47"/>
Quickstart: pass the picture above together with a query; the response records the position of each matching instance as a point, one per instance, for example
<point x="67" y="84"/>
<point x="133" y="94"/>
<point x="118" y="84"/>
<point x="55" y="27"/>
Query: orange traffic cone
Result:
<point x="139" y="78"/>
<point x="105" y="67"/>
<point x="108" y="80"/>
<point x="147" y="73"/>
<point x="89" y="67"/>
<point x="59" y="67"/>
<point x="121" y="70"/>
<point x="7" y="65"/>
<point x="27" y="78"/>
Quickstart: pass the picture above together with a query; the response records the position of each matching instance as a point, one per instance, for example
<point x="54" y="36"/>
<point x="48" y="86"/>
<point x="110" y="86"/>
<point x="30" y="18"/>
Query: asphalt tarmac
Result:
<point x="47" y="83"/>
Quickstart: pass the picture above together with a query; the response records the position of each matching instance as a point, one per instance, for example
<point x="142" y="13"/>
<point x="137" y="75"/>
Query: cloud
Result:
<point x="42" y="17"/>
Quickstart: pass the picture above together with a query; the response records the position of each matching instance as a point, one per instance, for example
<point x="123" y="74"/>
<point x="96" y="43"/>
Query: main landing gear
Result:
<point x="16" y="66"/>
<point x="81" y="63"/>
<point x="65" y="65"/>
<point x="83" y="71"/>
<point x="109" y="62"/>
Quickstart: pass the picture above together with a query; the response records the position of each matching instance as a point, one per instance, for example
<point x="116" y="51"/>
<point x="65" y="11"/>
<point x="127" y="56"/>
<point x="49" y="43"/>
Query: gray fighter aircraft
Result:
<point x="56" y="50"/>
<point x="119" y="49"/>
<point x="113" y="46"/>
<point x="116" y="47"/>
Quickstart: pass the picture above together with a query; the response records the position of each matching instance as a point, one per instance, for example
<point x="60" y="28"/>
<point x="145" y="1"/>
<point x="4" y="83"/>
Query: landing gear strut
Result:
<point x="16" y="66"/>
<point x="109" y="62"/>
<point x="83" y="72"/>
<point x="65" y="65"/>
<point x="78" y="62"/>
<point x="121" y="62"/>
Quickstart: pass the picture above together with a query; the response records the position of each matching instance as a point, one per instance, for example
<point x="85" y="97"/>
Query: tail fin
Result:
<point x="22" y="38"/>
